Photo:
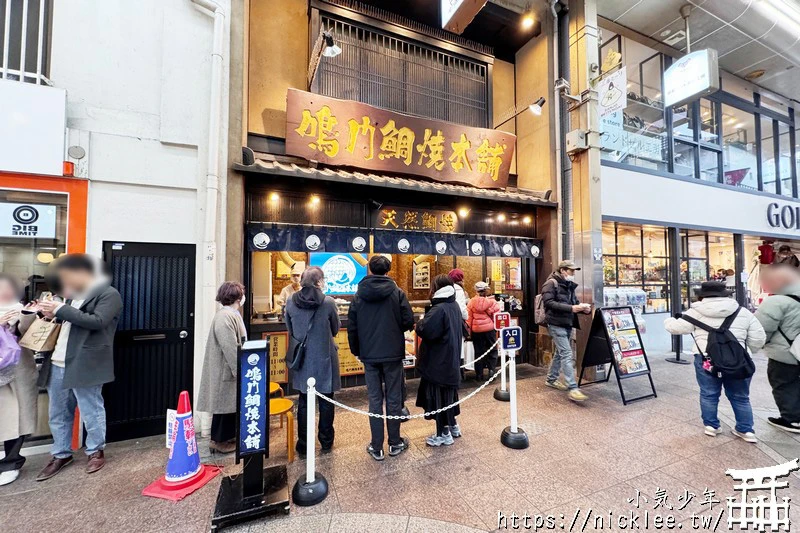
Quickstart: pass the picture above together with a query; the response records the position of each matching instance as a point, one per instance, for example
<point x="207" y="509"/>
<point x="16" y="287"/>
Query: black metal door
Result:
<point x="154" y="344"/>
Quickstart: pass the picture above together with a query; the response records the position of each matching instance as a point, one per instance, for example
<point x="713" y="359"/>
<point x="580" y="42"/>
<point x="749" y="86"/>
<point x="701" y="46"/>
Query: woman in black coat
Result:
<point x="441" y="331"/>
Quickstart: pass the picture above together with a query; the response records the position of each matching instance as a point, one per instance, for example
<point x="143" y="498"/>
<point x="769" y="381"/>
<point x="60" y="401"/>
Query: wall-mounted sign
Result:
<point x="611" y="92"/>
<point x="390" y="217"/>
<point x="27" y="221"/>
<point x="342" y="271"/>
<point x="348" y="133"/>
<point x="690" y="77"/>
<point x="783" y="216"/>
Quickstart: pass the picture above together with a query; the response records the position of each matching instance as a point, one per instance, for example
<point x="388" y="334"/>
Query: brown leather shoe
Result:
<point x="53" y="467"/>
<point x="96" y="461"/>
<point x="222" y="447"/>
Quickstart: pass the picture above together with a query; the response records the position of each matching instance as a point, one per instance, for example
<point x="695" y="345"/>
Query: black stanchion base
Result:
<point x="515" y="441"/>
<point x="502" y="395"/>
<point x="232" y="508"/>
<point x="308" y="494"/>
<point x="678" y="361"/>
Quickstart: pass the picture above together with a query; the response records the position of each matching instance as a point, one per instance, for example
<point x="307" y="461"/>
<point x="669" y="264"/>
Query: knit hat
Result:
<point x="457" y="275"/>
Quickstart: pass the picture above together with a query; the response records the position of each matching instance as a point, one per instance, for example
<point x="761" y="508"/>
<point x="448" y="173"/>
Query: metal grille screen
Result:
<point x="400" y="75"/>
<point x="153" y="292"/>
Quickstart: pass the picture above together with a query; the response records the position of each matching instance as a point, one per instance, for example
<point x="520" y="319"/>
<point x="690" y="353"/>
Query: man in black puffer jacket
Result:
<point x="378" y="317"/>
<point x="561" y="307"/>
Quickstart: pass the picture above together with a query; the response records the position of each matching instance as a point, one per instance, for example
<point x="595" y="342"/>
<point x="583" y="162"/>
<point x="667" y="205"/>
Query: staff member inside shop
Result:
<point x="293" y="287"/>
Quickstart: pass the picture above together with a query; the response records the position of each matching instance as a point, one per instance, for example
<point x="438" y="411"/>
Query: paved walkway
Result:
<point x="593" y="456"/>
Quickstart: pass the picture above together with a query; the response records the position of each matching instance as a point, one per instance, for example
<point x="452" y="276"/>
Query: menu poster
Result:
<point x="278" y="372"/>
<point x="348" y="363"/>
<point x="615" y="338"/>
<point x="422" y="275"/>
<point x="625" y="342"/>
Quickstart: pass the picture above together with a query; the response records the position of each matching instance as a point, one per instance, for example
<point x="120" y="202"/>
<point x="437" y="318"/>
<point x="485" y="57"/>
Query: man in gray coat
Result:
<point x="82" y="361"/>
<point x="780" y="316"/>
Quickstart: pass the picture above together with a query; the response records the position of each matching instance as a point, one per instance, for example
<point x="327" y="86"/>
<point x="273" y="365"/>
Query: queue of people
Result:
<point x="87" y="309"/>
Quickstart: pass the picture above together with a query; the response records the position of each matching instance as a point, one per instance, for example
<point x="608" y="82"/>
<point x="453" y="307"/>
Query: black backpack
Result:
<point x="729" y="358"/>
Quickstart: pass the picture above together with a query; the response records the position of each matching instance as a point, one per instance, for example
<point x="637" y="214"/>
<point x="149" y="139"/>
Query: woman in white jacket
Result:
<point x="714" y="307"/>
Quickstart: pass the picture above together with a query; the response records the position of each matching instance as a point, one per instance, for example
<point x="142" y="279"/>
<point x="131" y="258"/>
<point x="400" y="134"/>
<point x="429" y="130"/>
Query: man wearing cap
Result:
<point x="561" y="307"/>
<point x="293" y="287"/>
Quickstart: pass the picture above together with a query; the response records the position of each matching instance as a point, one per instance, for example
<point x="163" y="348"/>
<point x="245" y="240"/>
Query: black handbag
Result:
<point x="299" y="353"/>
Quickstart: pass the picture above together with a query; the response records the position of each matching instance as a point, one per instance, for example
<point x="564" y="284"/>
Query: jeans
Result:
<point x="385" y="381"/>
<point x="325" y="431"/>
<point x="563" y="358"/>
<point x="62" y="415"/>
<point x="737" y="391"/>
<point x="785" y="382"/>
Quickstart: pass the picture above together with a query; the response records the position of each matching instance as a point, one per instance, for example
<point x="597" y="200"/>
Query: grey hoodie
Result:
<point x="779" y="311"/>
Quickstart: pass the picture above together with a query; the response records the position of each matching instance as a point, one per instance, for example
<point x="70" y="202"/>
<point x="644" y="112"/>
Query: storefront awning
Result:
<point x="276" y="168"/>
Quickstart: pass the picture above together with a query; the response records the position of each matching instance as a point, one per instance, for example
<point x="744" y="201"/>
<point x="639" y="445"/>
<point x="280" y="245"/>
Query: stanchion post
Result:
<point x="501" y="393"/>
<point x="513" y="436"/>
<point x="312" y="489"/>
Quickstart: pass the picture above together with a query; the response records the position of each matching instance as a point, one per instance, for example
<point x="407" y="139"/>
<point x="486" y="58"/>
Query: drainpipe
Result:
<point x="209" y="250"/>
<point x="563" y="163"/>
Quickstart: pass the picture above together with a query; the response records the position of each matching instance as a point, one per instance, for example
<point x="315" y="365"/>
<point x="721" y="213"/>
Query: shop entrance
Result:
<point x="154" y="344"/>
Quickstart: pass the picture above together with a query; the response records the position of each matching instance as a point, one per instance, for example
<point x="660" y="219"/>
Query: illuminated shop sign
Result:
<point x="348" y="133"/>
<point x="27" y="221"/>
<point x="690" y="77"/>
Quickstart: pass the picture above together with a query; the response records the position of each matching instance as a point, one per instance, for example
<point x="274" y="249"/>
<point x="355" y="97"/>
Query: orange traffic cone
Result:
<point x="184" y="472"/>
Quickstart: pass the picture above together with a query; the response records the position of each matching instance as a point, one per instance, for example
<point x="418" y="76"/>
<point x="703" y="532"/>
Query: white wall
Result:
<point x="137" y="76"/>
<point x="640" y="196"/>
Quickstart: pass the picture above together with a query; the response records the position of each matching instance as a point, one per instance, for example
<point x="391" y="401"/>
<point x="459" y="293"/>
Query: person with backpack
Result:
<point x="377" y="319"/>
<point x="780" y="316"/>
<point x="561" y="308"/>
<point x="481" y="309"/>
<point x="723" y="332"/>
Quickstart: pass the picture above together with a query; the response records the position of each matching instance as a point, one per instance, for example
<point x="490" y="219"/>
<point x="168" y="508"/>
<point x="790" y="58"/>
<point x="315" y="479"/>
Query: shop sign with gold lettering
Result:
<point x="349" y="133"/>
<point x="411" y="218"/>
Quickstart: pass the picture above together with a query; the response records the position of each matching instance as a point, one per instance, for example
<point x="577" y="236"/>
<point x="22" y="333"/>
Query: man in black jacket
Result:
<point x="561" y="306"/>
<point x="378" y="317"/>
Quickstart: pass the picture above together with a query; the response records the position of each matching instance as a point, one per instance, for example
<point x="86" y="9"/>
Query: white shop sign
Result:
<point x="690" y="77"/>
<point x="611" y="93"/>
<point x="27" y="221"/>
<point x="449" y="8"/>
<point x="628" y="143"/>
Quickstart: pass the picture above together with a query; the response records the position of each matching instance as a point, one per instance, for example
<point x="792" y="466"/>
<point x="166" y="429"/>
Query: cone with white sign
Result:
<point x="184" y="472"/>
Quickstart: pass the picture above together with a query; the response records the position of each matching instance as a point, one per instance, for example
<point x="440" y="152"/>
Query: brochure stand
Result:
<point x="257" y="491"/>
<point x="614" y="338"/>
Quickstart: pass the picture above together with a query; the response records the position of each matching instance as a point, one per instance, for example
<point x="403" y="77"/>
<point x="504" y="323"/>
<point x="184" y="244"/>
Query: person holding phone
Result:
<point x="561" y="307"/>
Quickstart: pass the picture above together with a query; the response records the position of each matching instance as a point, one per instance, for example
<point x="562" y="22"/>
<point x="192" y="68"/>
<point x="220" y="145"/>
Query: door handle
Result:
<point x="183" y="334"/>
<point x="154" y="337"/>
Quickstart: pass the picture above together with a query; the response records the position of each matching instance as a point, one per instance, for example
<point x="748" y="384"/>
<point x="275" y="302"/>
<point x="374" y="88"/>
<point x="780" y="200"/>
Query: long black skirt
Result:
<point x="431" y="397"/>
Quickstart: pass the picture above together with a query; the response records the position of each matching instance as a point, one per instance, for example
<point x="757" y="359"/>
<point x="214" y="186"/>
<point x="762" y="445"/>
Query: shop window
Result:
<point x="740" y="167"/>
<point x="785" y="160"/>
<point x="386" y="71"/>
<point x="36" y="52"/>
<point x="683" y="122"/>
<point x="768" y="168"/>
<point x="641" y="266"/>
<point x="684" y="159"/>
<point x="709" y="165"/>
<point x="709" y="122"/>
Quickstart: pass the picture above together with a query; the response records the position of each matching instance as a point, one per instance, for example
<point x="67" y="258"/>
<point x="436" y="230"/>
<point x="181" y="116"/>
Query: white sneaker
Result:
<point x="439" y="440"/>
<point x="712" y="432"/>
<point x="747" y="437"/>
<point x="6" y="478"/>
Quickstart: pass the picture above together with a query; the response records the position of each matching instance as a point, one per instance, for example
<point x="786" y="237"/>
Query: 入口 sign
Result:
<point x="690" y="77"/>
<point x="27" y="221"/>
<point x="348" y="133"/>
<point x="511" y="338"/>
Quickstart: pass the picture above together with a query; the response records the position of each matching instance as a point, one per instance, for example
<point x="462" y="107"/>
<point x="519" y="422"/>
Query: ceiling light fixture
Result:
<point x="501" y="217"/>
<point x="274" y="197"/>
<point x="528" y="20"/>
<point x="526" y="220"/>
<point x="463" y="212"/>
<point x="315" y="199"/>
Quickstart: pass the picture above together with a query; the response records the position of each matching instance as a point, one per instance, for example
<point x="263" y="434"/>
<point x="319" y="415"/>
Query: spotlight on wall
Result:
<point x="501" y="217"/>
<point x="463" y="212"/>
<point x="536" y="107"/>
<point x="528" y="20"/>
<point x="331" y="48"/>
<point x="274" y="197"/>
<point x="315" y="200"/>
<point x="526" y="220"/>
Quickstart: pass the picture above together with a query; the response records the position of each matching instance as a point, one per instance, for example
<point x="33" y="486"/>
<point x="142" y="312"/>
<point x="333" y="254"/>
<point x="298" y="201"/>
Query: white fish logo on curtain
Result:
<point x="441" y="247"/>
<point x="312" y="242"/>
<point x="403" y="245"/>
<point x="261" y="240"/>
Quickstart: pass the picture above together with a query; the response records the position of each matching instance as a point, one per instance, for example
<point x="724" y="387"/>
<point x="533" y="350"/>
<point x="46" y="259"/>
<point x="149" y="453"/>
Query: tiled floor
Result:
<point x="593" y="456"/>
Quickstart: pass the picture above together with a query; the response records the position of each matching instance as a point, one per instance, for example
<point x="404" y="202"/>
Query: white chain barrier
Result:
<point x="419" y="415"/>
<point x="487" y="352"/>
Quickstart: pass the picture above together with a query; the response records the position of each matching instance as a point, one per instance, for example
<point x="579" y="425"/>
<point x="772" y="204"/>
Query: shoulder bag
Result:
<point x="299" y="353"/>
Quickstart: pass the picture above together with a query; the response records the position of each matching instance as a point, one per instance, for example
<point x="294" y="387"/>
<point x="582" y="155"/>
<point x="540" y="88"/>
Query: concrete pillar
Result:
<point x="586" y="214"/>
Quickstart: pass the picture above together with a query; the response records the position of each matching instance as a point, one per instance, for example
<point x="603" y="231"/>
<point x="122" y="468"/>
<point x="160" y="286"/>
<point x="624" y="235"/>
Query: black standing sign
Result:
<point x="614" y="338"/>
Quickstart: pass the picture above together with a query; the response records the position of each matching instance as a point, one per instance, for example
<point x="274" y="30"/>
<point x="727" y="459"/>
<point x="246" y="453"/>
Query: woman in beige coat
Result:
<point x="19" y="397"/>
<point x="218" y="382"/>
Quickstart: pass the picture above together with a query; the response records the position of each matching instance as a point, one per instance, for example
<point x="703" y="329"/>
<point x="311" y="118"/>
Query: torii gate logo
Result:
<point x="757" y="511"/>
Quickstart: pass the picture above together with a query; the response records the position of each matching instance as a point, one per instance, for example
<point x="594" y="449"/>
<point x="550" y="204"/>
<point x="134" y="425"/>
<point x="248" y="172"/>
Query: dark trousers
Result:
<point x="13" y="460"/>
<point x="785" y="382"/>
<point x="444" y="421"/>
<point x="223" y="427"/>
<point x="325" y="431"/>
<point x="482" y="341"/>
<point x="385" y="381"/>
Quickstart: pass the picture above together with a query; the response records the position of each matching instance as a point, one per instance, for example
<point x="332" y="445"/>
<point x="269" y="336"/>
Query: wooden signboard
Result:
<point x="614" y="338"/>
<point x="348" y="133"/>
<point x="408" y="218"/>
